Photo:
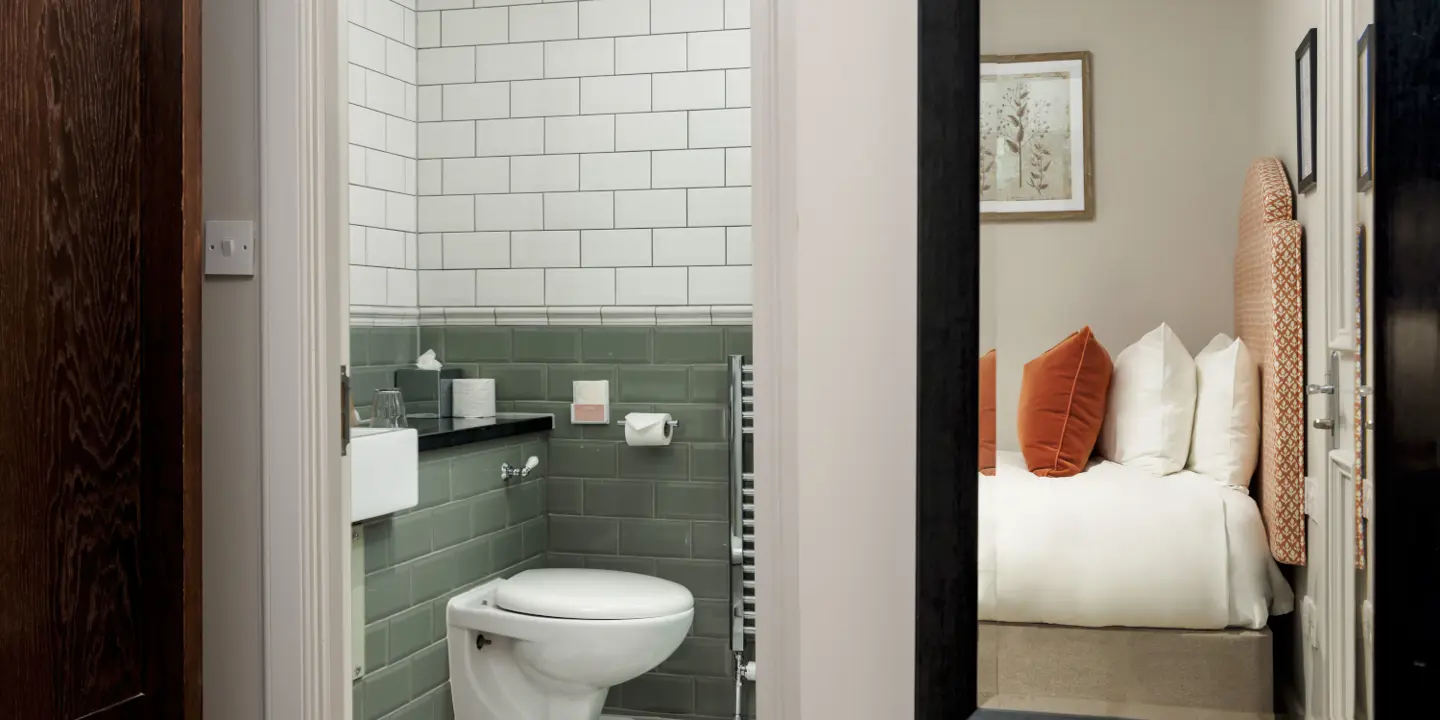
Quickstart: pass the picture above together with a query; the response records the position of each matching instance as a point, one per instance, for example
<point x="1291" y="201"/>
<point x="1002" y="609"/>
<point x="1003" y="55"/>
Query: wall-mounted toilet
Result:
<point x="549" y="644"/>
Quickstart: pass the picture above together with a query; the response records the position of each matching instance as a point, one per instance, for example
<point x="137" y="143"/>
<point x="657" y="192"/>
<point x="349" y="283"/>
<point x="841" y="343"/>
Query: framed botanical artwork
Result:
<point x="1305" y="110"/>
<point x="1036" y="146"/>
<point x="1365" y="107"/>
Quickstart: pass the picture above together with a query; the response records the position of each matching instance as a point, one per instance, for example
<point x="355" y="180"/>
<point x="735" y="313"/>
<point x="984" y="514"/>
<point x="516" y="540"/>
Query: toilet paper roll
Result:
<point x="648" y="429"/>
<point x="473" y="398"/>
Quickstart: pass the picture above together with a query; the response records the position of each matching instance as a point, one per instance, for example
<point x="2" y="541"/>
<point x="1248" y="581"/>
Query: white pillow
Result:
<point x="1226" y="444"/>
<point x="1152" y="404"/>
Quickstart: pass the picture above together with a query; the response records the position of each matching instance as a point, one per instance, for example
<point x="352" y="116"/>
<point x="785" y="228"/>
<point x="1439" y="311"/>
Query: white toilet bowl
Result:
<point x="549" y="644"/>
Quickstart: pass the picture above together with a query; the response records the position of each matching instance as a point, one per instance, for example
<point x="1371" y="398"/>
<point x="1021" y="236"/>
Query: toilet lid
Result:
<point x="592" y="595"/>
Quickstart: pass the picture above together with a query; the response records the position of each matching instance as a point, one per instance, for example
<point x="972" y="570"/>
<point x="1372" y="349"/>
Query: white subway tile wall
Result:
<point x="384" y="175"/>
<point x="570" y="154"/>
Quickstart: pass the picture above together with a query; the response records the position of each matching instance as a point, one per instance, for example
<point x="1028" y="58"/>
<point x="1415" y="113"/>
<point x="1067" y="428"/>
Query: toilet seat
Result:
<point x="581" y="594"/>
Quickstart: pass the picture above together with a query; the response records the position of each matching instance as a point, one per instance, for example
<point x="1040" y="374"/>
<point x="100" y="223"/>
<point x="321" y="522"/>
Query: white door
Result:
<point x="1338" y="560"/>
<point x="1358" y="608"/>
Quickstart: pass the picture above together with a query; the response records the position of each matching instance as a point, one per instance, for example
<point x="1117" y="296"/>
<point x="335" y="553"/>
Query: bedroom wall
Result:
<point x="1169" y="163"/>
<point x="1282" y="25"/>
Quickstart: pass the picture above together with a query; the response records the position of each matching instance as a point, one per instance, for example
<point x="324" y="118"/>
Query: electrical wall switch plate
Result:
<point x="229" y="247"/>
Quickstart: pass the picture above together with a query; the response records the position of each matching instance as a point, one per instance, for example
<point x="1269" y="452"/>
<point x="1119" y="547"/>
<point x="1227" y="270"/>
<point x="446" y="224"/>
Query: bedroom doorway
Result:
<point x="1329" y="251"/>
<point x="1136" y="540"/>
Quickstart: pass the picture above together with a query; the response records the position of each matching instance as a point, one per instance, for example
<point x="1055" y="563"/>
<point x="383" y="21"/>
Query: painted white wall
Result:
<point x="1282" y="25"/>
<point x="1174" y="135"/>
<point x="230" y="366"/>
<point x="836" y="273"/>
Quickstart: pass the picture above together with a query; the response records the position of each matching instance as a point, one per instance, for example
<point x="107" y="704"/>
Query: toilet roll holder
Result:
<point x="670" y="426"/>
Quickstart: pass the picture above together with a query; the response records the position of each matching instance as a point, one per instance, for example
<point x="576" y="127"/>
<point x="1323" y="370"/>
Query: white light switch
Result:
<point x="229" y="247"/>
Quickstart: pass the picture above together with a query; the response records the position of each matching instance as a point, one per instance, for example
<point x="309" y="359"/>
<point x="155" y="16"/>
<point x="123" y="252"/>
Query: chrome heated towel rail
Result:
<point x="742" y="523"/>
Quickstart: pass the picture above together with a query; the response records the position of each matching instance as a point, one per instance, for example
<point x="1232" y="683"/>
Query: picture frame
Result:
<point x="1365" y="109"/>
<point x="1036" y="137"/>
<point x="1306" y="91"/>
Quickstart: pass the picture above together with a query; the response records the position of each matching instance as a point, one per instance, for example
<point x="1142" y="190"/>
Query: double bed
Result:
<point x="1115" y="546"/>
<point x="1114" y="574"/>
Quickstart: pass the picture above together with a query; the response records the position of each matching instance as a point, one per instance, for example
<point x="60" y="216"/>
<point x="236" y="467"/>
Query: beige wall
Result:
<point x="1283" y="24"/>
<point x="230" y="357"/>
<point x="1174" y="132"/>
<point x="839" y="314"/>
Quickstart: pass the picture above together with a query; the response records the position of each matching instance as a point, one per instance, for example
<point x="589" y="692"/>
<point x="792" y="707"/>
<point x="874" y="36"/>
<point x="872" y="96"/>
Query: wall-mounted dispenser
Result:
<point x="590" y="402"/>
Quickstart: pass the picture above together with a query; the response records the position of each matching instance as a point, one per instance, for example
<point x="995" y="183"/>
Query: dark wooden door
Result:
<point x="1406" y="404"/>
<point x="99" y="359"/>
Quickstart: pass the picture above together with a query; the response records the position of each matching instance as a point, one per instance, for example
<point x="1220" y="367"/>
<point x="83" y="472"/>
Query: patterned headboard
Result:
<point x="1270" y="318"/>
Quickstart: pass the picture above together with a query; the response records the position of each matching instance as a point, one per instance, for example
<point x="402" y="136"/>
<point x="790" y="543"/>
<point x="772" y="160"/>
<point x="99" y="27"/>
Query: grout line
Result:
<point x="382" y="112"/>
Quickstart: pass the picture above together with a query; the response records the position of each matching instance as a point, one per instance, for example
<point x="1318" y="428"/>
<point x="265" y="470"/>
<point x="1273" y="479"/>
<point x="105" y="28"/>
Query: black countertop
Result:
<point x="438" y="433"/>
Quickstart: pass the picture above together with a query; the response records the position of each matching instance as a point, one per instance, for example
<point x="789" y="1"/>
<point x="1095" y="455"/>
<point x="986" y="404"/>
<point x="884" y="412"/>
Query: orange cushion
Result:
<point x="987" y="413"/>
<point x="1062" y="405"/>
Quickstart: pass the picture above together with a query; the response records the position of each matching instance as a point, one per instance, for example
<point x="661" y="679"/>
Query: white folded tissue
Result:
<point x="428" y="361"/>
<point x="648" y="429"/>
<point x="472" y="398"/>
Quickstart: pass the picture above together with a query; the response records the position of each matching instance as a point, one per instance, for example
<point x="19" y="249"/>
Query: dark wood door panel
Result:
<point x="96" y="496"/>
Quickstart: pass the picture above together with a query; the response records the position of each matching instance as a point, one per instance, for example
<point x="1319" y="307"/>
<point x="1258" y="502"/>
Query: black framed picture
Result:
<point x="1305" y="111"/>
<point x="1365" y="107"/>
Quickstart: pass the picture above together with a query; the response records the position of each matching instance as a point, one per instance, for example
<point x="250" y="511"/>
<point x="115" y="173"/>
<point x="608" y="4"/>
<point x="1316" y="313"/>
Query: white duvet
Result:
<point x="1117" y="546"/>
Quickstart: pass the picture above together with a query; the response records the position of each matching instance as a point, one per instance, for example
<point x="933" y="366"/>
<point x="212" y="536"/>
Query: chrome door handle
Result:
<point x="1332" y="403"/>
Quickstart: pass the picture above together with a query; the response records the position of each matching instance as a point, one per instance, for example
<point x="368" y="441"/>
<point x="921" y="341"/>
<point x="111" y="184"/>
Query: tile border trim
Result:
<point x="614" y="316"/>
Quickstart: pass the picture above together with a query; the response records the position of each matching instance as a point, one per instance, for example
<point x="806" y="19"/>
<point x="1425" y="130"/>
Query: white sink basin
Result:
<point x="384" y="471"/>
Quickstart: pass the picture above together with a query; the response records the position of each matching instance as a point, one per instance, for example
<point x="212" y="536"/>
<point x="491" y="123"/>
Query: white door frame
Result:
<point x="773" y="172"/>
<point x="305" y="504"/>
<point x="1339" y="610"/>
<point x="304" y="306"/>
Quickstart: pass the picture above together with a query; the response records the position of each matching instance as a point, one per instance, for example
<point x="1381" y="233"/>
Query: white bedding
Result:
<point x="1116" y="546"/>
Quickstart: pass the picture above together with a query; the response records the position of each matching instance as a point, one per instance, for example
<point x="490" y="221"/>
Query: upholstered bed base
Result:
<point x="1127" y="672"/>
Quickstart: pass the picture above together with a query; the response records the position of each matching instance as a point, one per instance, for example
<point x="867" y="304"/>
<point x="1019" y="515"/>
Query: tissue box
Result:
<point x="427" y="391"/>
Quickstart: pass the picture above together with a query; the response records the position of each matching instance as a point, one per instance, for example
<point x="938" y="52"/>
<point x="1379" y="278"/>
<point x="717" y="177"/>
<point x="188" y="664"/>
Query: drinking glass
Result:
<point x="389" y="410"/>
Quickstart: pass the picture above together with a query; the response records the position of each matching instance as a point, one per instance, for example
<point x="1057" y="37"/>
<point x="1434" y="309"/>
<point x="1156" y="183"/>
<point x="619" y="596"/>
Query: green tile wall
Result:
<point x="657" y="511"/>
<point x="469" y="527"/>
<point x="376" y="353"/>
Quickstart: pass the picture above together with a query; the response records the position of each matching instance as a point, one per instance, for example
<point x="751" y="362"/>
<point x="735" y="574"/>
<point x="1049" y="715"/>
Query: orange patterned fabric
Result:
<point x="1359" y="472"/>
<point x="1270" y="318"/>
